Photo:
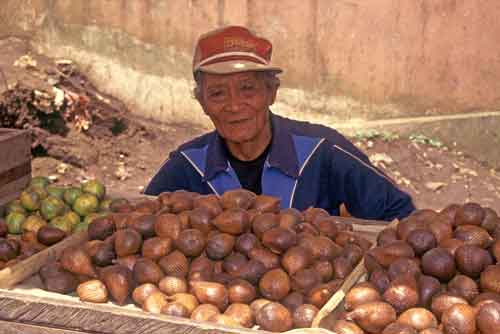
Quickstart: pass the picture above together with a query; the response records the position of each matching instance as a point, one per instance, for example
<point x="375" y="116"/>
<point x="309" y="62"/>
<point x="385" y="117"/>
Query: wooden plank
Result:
<point x="12" y="191"/>
<point x="9" y="327"/>
<point x="10" y="276"/>
<point x="19" y="171"/>
<point x="48" y="309"/>
<point x="15" y="163"/>
<point x="26" y="304"/>
<point x="15" y="148"/>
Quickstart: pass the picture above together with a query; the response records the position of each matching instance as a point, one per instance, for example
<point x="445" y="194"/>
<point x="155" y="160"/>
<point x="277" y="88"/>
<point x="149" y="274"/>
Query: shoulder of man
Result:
<point x="331" y="136"/>
<point x="197" y="142"/>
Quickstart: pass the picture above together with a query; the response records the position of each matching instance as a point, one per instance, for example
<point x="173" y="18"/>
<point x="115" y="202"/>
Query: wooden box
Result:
<point x="20" y="307"/>
<point x="15" y="163"/>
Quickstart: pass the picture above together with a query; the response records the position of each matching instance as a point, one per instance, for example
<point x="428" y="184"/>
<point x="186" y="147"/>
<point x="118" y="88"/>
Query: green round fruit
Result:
<point x="33" y="223"/>
<point x="51" y="207"/>
<point x="118" y="204"/>
<point x="90" y="217"/>
<point x="14" y="221"/>
<point x="105" y="204"/>
<point x="86" y="204"/>
<point x="39" y="182"/>
<point x="42" y="192"/>
<point x="62" y="223"/>
<point x="73" y="217"/>
<point x="94" y="187"/>
<point x="30" y="200"/>
<point x="81" y="226"/>
<point x="71" y="194"/>
<point x="15" y="206"/>
<point x="56" y="191"/>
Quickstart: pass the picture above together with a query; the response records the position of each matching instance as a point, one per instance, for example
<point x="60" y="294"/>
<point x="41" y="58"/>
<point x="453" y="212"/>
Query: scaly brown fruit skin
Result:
<point x="274" y="317"/>
<point x="210" y="293"/>
<point x="346" y="327"/>
<point x="418" y="318"/>
<point x="237" y="199"/>
<point x="93" y="291"/>
<point x="242" y="313"/>
<point x="127" y="242"/>
<point x="490" y="279"/>
<point x="76" y="261"/>
<point x="304" y="315"/>
<point x="191" y="242"/>
<point x="48" y="235"/>
<point x="204" y="311"/>
<point x="439" y="262"/>
<point x="460" y="319"/>
<point x="233" y="221"/>
<point x="488" y="318"/>
<point x="361" y="293"/>
<point x="119" y="282"/>
<point x="275" y="284"/>
<point x="373" y="317"/>
<point x="142" y="292"/>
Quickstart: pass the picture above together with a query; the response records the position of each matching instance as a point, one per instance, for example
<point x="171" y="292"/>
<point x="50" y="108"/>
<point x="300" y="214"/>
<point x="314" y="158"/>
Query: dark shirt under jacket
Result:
<point x="249" y="172"/>
<point x="307" y="165"/>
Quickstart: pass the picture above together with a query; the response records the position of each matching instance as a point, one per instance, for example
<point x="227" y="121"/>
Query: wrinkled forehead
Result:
<point x="209" y="79"/>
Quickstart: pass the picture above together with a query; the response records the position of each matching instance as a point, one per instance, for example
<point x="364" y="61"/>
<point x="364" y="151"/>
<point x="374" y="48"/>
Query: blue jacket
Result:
<point x="307" y="165"/>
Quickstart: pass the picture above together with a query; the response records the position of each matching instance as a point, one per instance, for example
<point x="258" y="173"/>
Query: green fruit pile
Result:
<point x="68" y="208"/>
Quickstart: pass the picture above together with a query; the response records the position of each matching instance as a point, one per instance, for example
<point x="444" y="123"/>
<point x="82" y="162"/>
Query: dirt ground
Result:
<point x="433" y="174"/>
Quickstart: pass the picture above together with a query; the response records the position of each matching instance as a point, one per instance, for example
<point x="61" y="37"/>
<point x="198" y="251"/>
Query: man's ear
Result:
<point x="199" y="97"/>
<point x="273" y="92"/>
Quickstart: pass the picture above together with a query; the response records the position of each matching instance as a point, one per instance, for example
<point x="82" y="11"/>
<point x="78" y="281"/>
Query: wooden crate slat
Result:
<point x="67" y="312"/>
<point x="19" y="171"/>
<point x="10" y="327"/>
<point x="10" y="276"/>
<point x="15" y="148"/>
<point x="12" y="190"/>
<point x="15" y="163"/>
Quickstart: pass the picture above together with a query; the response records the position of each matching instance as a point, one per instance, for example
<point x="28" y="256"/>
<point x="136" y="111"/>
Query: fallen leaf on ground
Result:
<point x="468" y="171"/>
<point x="380" y="157"/>
<point x="435" y="186"/>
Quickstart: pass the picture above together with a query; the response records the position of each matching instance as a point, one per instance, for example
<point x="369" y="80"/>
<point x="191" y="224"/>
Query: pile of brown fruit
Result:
<point x="236" y="260"/>
<point x="433" y="274"/>
<point x="15" y="248"/>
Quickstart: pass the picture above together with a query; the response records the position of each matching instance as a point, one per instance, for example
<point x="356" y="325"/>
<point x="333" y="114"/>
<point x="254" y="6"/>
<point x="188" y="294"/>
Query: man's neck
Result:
<point x="251" y="150"/>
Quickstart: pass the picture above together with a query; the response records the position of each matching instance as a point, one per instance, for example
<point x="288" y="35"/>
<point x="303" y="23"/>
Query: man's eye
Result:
<point x="248" y="87"/>
<point x="216" y="93"/>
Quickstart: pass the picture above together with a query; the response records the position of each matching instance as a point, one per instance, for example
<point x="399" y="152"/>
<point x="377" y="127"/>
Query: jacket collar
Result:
<point x="282" y="154"/>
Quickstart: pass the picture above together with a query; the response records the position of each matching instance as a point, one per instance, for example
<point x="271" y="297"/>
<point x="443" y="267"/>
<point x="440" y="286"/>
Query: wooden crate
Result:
<point x="15" y="163"/>
<point x="20" y="307"/>
<point x="17" y="273"/>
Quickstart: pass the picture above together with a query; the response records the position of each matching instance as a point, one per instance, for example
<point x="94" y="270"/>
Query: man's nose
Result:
<point x="234" y="103"/>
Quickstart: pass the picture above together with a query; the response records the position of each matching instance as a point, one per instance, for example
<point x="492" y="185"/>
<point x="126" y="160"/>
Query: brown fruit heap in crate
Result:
<point x="236" y="260"/>
<point x="435" y="273"/>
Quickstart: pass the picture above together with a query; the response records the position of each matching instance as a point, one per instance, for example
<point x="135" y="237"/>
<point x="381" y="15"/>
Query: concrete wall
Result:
<point x="344" y="60"/>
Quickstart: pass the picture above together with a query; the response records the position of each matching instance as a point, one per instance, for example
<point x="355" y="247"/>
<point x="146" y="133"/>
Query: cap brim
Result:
<point x="235" y="66"/>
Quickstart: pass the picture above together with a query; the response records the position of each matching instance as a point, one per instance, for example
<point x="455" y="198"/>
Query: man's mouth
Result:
<point x="238" y="121"/>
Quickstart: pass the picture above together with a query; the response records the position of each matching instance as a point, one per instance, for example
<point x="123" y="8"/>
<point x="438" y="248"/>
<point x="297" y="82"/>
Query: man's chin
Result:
<point x="239" y="138"/>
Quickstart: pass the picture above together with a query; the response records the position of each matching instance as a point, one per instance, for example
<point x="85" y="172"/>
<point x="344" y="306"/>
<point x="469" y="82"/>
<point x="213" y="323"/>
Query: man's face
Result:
<point x="238" y="104"/>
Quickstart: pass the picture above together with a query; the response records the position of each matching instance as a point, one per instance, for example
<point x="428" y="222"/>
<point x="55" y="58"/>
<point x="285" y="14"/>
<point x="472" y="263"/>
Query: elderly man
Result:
<point x="301" y="163"/>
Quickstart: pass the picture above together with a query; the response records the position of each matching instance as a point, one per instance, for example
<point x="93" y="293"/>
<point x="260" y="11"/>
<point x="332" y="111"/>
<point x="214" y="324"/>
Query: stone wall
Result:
<point x="344" y="59"/>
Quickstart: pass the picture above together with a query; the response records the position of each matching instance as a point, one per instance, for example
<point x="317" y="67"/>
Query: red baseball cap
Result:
<point x="232" y="49"/>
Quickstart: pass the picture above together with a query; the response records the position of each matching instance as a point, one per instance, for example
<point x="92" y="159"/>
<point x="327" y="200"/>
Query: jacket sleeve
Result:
<point x="366" y="191"/>
<point x="170" y="176"/>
